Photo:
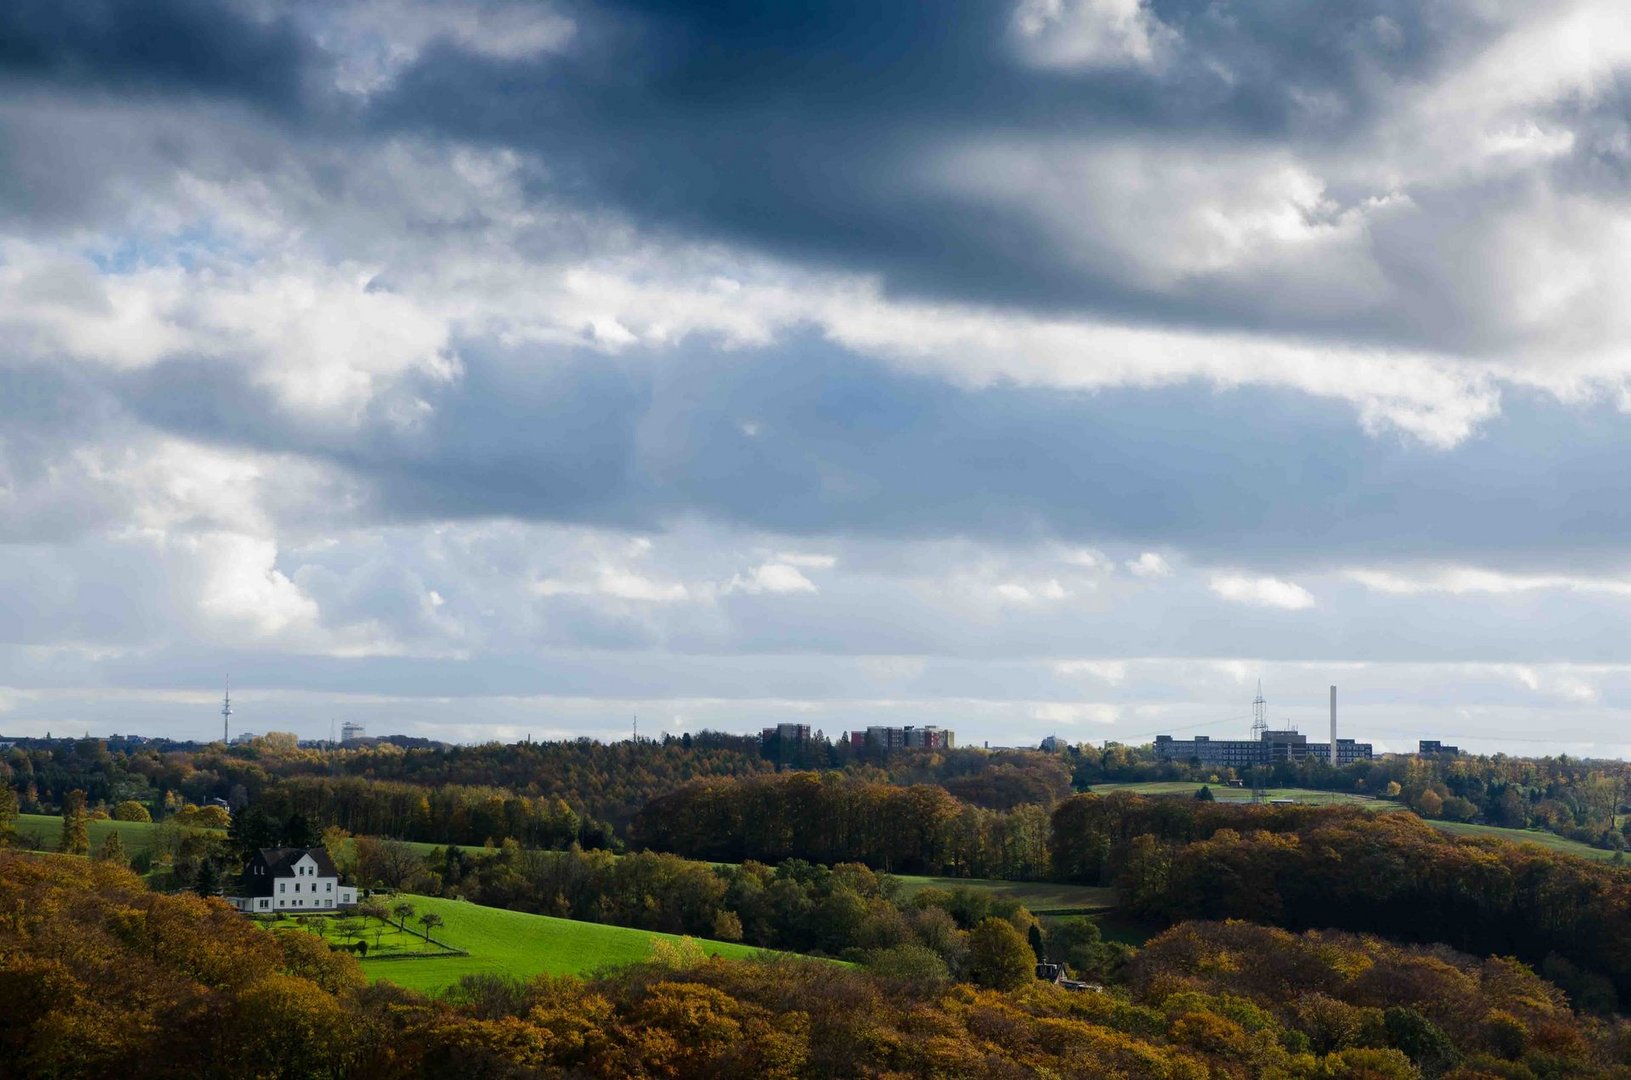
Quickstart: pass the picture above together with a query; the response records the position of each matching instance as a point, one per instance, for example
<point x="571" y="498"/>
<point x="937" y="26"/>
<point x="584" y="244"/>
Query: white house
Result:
<point x="292" y="879"/>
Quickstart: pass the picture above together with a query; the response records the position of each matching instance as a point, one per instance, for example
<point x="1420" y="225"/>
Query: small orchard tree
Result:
<point x="348" y="929"/>
<point x="380" y="916"/>
<point x="403" y="912"/>
<point x="430" y="921"/>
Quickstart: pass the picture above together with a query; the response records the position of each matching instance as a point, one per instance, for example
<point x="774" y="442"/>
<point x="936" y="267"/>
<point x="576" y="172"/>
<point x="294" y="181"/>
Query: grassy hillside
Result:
<point x="1042" y="898"/>
<point x="520" y="945"/>
<point x="1550" y="841"/>
<point x="46" y="832"/>
<point x="1229" y="794"/>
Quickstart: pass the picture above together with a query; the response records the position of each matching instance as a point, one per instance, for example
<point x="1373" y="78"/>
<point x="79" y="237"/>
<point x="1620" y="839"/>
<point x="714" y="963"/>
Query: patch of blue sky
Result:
<point x="188" y="249"/>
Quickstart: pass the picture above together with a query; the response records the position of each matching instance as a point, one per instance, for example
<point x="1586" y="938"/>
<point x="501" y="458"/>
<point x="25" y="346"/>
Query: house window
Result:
<point x="330" y="887"/>
<point x="281" y="887"/>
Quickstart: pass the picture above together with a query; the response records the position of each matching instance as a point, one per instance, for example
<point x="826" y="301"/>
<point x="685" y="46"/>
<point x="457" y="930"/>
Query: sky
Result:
<point x="489" y="368"/>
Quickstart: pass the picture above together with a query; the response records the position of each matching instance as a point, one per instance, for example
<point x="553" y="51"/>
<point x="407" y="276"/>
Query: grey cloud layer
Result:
<point x="827" y="357"/>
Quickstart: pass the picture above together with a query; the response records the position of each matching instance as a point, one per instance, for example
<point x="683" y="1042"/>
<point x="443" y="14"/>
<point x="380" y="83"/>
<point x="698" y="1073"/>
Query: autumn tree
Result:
<point x="8" y="812"/>
<point x="998" y="956"/>
<point x="385" y="862"/>
<point x="113" y="850"/>
<point x="76" y="836"/>
<point x="131" y="810"/>
<point x="203" y="817"/>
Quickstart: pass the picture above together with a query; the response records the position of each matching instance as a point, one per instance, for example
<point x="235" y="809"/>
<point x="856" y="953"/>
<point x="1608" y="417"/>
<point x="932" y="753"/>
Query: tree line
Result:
<point x="99" y="977"/>
<point x="831" y="818"/>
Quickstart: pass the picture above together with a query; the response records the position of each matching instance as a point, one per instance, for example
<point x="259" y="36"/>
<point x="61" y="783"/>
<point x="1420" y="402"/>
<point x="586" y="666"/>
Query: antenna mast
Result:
<point x="226" y="710"/>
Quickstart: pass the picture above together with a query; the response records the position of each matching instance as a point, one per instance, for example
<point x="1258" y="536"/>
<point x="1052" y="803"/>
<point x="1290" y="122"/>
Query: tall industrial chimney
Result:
<point x="1333" y="727"/>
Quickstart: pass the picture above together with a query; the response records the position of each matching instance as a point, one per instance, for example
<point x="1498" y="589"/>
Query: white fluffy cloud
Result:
<point x="1262" y="591"/>
<point x="772" y="577"/>
<point x="1149" y="565"/>
<point x="1086" y="34"/>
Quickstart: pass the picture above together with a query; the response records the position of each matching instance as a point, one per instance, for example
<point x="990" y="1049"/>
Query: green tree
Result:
<point x="1419" y="1038"/>
<point x="430" y="921"/>
<point x="1079" y="945"/>
<point x="250" y="831"/>
<point x="208" y="882"/>
<point x="403" y="912"/>
<point x="76" y="835"/>
<point x="998" y="956"/>
<point x="113" y="850"/>
<point x="297" y="831"/>
<point x="1205" y="794"/>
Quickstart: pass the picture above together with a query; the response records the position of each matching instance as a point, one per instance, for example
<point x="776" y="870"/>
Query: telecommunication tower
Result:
<point x="226" y="710"/>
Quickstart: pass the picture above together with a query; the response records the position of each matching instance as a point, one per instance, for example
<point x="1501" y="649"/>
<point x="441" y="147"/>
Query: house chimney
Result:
<point x="1333" y="727"/>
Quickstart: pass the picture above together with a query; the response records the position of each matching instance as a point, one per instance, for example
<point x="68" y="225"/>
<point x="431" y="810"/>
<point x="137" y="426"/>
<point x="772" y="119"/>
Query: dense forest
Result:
<point x="832" y="817"/>
<point x="1303" y="867"/>
<point x="100" y="976"/>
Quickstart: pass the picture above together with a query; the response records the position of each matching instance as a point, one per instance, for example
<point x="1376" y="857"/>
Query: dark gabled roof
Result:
<point x="275" y="863"/>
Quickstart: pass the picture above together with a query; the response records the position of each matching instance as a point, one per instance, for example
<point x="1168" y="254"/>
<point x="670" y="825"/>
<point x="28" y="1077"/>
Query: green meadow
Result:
<point x="44" y="831"/>
<point x="1549" y="841"/>
<point x="1224" y="793"/>
<point x="1040" y="897"/>
<point x="520" y="945"/>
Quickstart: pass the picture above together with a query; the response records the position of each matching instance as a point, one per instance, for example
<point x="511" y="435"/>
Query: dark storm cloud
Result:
<point x="837" y="134"/>
<point x="804" y="129"/>
<point x="206" y="48"/>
